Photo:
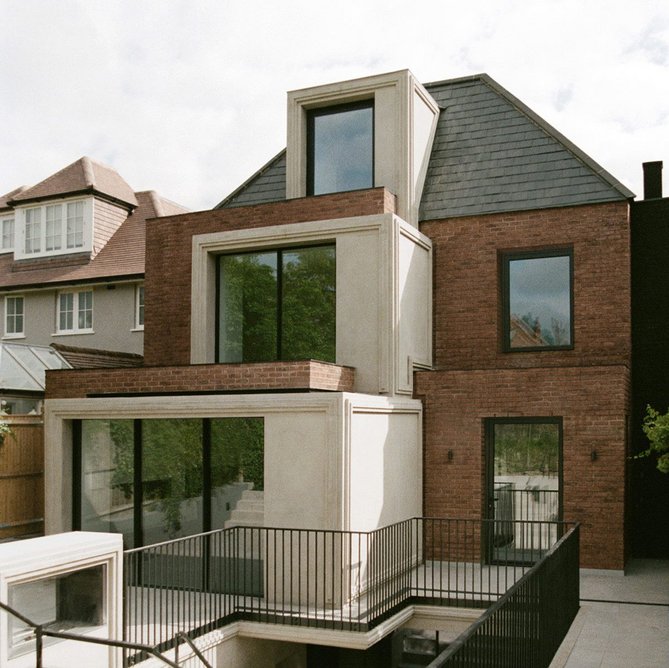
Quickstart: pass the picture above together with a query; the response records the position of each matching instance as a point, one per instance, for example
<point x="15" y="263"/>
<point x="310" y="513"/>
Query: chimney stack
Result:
<point x="652" y="179"/>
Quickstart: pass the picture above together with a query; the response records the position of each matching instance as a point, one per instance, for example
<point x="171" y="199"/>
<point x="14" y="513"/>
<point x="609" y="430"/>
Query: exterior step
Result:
<point x="249" y="511"/>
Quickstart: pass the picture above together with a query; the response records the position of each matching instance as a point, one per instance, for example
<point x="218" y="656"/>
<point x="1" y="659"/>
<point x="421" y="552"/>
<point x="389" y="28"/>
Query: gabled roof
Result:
<point x="491" y="154"/>
<point x="83" y="176"/>
<point x="121" y="257"/>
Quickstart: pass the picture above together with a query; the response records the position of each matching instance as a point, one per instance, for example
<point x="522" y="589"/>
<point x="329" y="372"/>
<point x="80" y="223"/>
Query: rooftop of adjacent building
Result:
<point x="623" y="620"/>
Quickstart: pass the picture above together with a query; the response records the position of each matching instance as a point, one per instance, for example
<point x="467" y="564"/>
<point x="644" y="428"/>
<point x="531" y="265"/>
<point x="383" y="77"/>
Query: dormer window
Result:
<point x="53" y="229"/>
<point x="340" y="146"/>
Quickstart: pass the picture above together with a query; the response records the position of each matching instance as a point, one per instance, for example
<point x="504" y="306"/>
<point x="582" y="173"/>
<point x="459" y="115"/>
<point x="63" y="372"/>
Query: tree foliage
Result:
<point x="656" y="429"/>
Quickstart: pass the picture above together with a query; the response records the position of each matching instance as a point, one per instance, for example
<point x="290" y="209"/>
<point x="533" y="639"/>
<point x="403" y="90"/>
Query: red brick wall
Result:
<point x="587" y="386"/>
<point x="301" y="375"/>
<point x="467" y="313"/>
<point x="168" y="258"/>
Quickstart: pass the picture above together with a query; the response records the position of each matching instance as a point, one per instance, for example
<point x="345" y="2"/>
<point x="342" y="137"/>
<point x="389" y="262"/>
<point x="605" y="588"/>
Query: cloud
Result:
<point x="189" y="97"/>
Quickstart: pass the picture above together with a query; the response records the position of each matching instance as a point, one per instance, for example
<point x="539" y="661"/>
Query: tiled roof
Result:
<point x="491" y="154"/>
<point x="5" y="198"/>
<point x="121" y="257"/>
<point x="92" y="358"/>
<point x="84" y="175"/>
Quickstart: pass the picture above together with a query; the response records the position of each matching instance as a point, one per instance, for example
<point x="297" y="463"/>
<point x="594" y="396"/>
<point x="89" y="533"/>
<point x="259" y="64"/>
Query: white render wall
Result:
<point x="332" y="460"/>
<point x="384" y="293"/>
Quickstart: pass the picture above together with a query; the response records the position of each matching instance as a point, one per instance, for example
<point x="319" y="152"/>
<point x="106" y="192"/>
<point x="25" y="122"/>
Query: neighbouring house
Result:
<point x="72" y="261"/>
<point x="421" y="308"/>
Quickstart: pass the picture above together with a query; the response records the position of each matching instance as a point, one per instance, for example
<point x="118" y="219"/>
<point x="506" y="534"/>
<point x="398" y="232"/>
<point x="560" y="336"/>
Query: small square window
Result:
<point x="13" y="317"/>
<point x="537" y="296"/>
<point x="340" y="148"/>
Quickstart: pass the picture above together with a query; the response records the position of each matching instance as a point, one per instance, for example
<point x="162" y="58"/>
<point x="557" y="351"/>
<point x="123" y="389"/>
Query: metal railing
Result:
<point x="41" y="631"/>
<point x="525" y="627"/>
<point x="343" y="580"/>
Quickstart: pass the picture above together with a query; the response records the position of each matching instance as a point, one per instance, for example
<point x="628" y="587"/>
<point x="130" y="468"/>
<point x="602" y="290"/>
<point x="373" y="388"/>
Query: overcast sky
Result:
<point x="189" y="97"/>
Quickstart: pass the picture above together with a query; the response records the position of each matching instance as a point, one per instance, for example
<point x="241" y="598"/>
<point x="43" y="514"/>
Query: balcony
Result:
<point x="360" y="586"/>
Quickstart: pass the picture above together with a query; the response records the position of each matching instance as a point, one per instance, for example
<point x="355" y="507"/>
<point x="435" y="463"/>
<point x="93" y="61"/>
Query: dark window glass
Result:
<point x="538" y="301"/>
<point x="277" y="306"/>
<point x="340" y="148"/>
<point x="172" y="493"/>
<point x="171" y="479"/>
<point x="107" y="477"/>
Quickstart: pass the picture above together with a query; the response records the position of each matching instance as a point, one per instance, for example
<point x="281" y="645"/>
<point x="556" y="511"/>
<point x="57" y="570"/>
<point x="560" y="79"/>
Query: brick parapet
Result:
<point x="263" y="376"/>
<point x="168" y="257"/>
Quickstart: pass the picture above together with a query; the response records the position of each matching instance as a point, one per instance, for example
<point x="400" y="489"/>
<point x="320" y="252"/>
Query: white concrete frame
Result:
<point x="405" y="121"/>
<point x="360" y="456"/>
<point x="384" y="293"/>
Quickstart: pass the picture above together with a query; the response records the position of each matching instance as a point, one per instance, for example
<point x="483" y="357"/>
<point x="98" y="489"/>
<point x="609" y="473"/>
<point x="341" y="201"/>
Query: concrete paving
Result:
<point x="623" y="621"/>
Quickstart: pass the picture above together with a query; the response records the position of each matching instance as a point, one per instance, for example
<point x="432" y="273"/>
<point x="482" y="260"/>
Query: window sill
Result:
<point x="137" y="329"/>
<point x="74" y="332"/>
<point x="13" y="337"/>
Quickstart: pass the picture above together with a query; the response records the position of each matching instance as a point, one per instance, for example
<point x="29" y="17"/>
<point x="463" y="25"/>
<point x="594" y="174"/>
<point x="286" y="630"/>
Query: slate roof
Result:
<point x="121" y="257"/>
<point x="491" y="154"/>
<point x="82" y="176"/>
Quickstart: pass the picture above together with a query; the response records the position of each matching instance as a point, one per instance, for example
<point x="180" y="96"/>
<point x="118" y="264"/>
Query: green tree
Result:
<point x="656" y="429"/>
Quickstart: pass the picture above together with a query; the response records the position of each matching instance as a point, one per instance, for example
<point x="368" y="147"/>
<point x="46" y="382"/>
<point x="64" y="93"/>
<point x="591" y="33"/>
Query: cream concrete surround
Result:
<point x="38" y="558"/>
<point x="338" y="439"/>
<point x="405" y="122"/>
<point x="384" y="293"/>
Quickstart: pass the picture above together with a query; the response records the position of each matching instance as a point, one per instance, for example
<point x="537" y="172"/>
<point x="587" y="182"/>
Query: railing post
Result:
<point x="38" y="646"/>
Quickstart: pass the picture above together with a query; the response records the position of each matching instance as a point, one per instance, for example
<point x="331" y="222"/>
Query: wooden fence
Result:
<point x="22" y="477"/>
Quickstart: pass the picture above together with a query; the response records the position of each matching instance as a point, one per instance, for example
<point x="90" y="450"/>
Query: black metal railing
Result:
<point x="344" y="580"/>
<point x="41" y="631"/>
<point x="524" y="628"/>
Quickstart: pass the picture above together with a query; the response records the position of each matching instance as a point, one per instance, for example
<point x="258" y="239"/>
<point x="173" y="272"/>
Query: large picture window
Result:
<point x="277" y="305"/>
<point x="537" y="300"/>
<point x="157" y="479"/>
<point x="340" y="148"/>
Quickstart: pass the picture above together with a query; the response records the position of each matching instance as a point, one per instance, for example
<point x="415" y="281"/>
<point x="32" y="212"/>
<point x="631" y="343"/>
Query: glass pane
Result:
<point x="247" y="325"/>
<point x="539" y="301"/>
<point x="171" y="479"/>
<point x="66" y="312"/>
<point x="237" y="464"/>
<point x="343" y="150"/>
<point x="85" y="308"/>
<point x="107" y="477"/>
<point x="309" y="304"/>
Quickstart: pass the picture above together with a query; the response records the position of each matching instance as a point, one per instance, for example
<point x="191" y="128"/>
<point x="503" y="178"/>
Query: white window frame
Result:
<point x="76" y="311"/>
<point x="7" y="228"/>
<point x="139" y="307"/>
<point x="55" y="228"/>
<point x="16" y="334"/>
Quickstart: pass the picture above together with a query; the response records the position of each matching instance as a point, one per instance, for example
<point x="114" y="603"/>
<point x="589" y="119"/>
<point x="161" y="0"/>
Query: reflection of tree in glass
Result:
<point x="249" y="305"/>
<point x="309" y="302"/>
<point x="557" y="335"/>
<point x="237" y="451"/>
<point x="528" y="448"/>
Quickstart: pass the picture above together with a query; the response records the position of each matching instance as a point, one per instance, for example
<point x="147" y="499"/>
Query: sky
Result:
<point x="188" y="98"/>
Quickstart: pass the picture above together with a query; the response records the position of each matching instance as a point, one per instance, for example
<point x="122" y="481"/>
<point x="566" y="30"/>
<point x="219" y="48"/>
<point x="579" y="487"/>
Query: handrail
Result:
<point x="41" y="631"/>
<point x="192" y="645"/>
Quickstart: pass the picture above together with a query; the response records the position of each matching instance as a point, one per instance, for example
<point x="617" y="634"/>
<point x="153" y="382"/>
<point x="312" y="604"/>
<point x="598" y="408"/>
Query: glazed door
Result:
<point x="523" y="486"/>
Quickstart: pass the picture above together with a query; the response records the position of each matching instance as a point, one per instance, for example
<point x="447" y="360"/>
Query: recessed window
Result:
<point x="537" y="296"/>
<point x="70" y="602"/>
<point x="75" y="312"/>
<point x="277" y="305"/>
<point x="340" y="148"/>
<point x="139" y="307"/>
<point x="7" y="232"/>
<point x="13" y="317"/>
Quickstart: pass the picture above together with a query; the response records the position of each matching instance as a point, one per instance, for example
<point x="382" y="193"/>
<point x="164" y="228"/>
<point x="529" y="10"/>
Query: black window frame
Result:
<point x="279" y="294"/>
<point x="506" y="257"/>
<point x="310" y="148"/>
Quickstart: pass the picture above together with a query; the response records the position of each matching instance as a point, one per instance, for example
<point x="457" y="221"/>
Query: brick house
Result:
<point x="424" y="302"/>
